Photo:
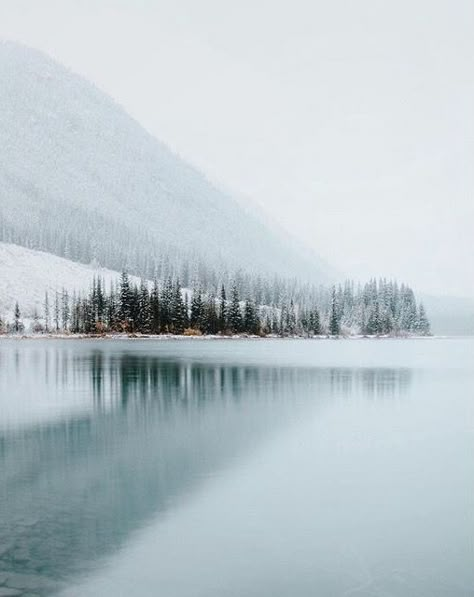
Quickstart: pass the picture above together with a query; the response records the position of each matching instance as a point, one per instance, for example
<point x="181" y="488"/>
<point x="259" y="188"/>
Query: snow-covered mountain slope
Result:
<point x="25" y="276"/>
<point x="82" y="179"/>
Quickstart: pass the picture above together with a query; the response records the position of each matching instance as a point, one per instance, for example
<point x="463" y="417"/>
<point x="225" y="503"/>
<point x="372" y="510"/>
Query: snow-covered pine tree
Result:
<point x="314" y="322"/>
<point x="36" y="327"/>
<point x="111" y="309"/>
<point x="125" y="301"/>
<point x="423" y="324"/>
<point x="211" y="320"/>
<point x="334" y="327"/>
<point x="251" y="323"/>
<point x="166" y="303"/>
<point x="155" y="311"/>
<point x="144" y="315"/>
<point x="65" y="310"/>
<point x="196" y="320"/>
<point x="235" y="314"/>
<point x="47" y="314"/>
<point x="99" y="306"/>
<point x="17" y="324"/>
<point x="57" y="319"/>
<point x="177" y="310"/>
<point x="223" y="310"/>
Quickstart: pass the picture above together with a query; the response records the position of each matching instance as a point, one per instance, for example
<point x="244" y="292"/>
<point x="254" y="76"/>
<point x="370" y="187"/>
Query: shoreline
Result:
<point x="181" y="337"/>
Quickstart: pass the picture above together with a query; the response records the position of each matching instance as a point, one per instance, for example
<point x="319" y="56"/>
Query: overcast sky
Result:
<point x="350" y="122"/>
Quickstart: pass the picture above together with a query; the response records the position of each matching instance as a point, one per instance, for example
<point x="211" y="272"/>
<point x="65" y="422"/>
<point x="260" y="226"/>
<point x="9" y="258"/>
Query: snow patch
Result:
<point x="25" y="276"/>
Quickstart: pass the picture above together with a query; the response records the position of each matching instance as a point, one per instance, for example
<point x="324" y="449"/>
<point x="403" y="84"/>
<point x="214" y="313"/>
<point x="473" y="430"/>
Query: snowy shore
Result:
<point x="167" y="337"/>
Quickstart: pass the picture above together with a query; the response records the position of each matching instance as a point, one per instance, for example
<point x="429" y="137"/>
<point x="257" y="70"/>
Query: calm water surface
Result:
<point x="237" y="468"/>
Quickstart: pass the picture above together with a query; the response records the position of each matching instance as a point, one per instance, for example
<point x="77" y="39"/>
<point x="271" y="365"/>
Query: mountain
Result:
<point x="81" y="179"/>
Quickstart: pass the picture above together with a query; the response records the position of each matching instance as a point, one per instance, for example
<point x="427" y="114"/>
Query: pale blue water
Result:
<point x="237" y="468"/>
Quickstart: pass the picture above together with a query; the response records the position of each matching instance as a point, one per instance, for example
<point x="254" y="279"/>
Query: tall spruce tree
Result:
<point x="178" y="319"/>
<point x="56" y="312"/>
<point x="47" y="313"/>
<point x="155" y="312"/>
<point x="211" y="316"/>
<point x="235" y="313"/>
<point x="223" y="310"/>
<point x="197" y="311"/>
<point x="166" y="304"/>
<point x="144" y="315"/>
<point x="65" y="311"/>
<point x="423" y="324"/>
<point x="251" y="323"/>
<point x="17" y="325"/>
<point x="125" y="302"/>
<point x="334" y="327"/>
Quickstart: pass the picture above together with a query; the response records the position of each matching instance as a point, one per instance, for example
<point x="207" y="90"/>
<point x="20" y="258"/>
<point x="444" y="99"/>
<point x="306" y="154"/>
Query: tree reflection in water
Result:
<point x="72" y="490"/>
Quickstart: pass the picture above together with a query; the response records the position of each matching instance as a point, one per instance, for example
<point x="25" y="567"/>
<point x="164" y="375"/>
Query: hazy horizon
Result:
<point x="351" y="126"/>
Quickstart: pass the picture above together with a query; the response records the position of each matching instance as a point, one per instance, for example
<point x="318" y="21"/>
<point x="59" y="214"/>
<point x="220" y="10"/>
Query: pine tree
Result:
<point x="134" y="308"/>
<point x="197" y="311"/>
<point x="144" y="314"/>
<point x="125" y="306"/>
<point x="155" y="315"/>
<point x="186" y="310"/>
<point x="314" y="322"/>
<point x="65" y="311"/>
<point x="211" y="321"/>
<point x="111" y="309"/>
<point x="377" y="320"/>
<point x="88" y="316"/>
<point x="291" y="319"/>
<point x="75" y="322"/>
<point x="275" y="323"/>
<point x="177" y="311"/>
<point x="223" y="310"/>
<point x="37" y="327"/>
<point x="166" y="306"/>
<point x="423" y="324"/>
<point x="18" y="325"/>
<point x="387" y="322"/>
<point x="283" y="327"/>
<point x="99" y="302"/>
<point x="56" y="312"/>
<point x="235" y="314"/>
<point x="334" y="327"/>
<point x="251" y="323"/>
<point x="47" y="316"/>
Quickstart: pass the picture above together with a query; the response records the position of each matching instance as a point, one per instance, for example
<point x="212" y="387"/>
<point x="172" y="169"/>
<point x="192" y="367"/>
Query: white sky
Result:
<point x="351" y="122"/>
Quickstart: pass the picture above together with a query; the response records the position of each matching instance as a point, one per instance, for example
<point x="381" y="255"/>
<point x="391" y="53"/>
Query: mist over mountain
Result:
<point x="451" y="315"/>
<point x="81" y="179"/>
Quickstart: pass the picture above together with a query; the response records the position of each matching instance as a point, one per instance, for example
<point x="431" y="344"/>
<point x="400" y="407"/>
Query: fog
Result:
<point x="350" y="124"/>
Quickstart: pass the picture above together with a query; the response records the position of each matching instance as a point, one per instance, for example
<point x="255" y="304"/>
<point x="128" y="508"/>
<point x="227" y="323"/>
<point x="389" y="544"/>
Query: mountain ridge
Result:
<point x="98" y="186"/>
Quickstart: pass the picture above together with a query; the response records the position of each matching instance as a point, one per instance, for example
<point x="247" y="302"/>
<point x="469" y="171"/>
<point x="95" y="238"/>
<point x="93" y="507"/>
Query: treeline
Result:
<point x="377" y="308"/>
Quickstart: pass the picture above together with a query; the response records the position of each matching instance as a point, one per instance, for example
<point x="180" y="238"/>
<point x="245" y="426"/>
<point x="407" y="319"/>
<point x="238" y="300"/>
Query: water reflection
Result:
<point x="149" y="430"/>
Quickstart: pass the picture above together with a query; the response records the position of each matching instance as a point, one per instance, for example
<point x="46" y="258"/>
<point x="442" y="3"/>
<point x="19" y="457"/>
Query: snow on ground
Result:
<point x="25" y="276"/>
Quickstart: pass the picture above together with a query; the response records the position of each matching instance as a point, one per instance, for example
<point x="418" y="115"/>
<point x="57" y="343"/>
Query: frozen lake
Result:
<point x="237" y="468"/>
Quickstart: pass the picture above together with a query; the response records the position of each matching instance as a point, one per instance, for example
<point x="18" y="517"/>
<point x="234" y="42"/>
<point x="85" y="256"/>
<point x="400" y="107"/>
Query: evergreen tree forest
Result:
<point x="244" y="306"/>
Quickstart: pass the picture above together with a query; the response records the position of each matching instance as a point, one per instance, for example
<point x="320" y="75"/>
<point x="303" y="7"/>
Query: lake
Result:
<point x="237" y="468"/>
